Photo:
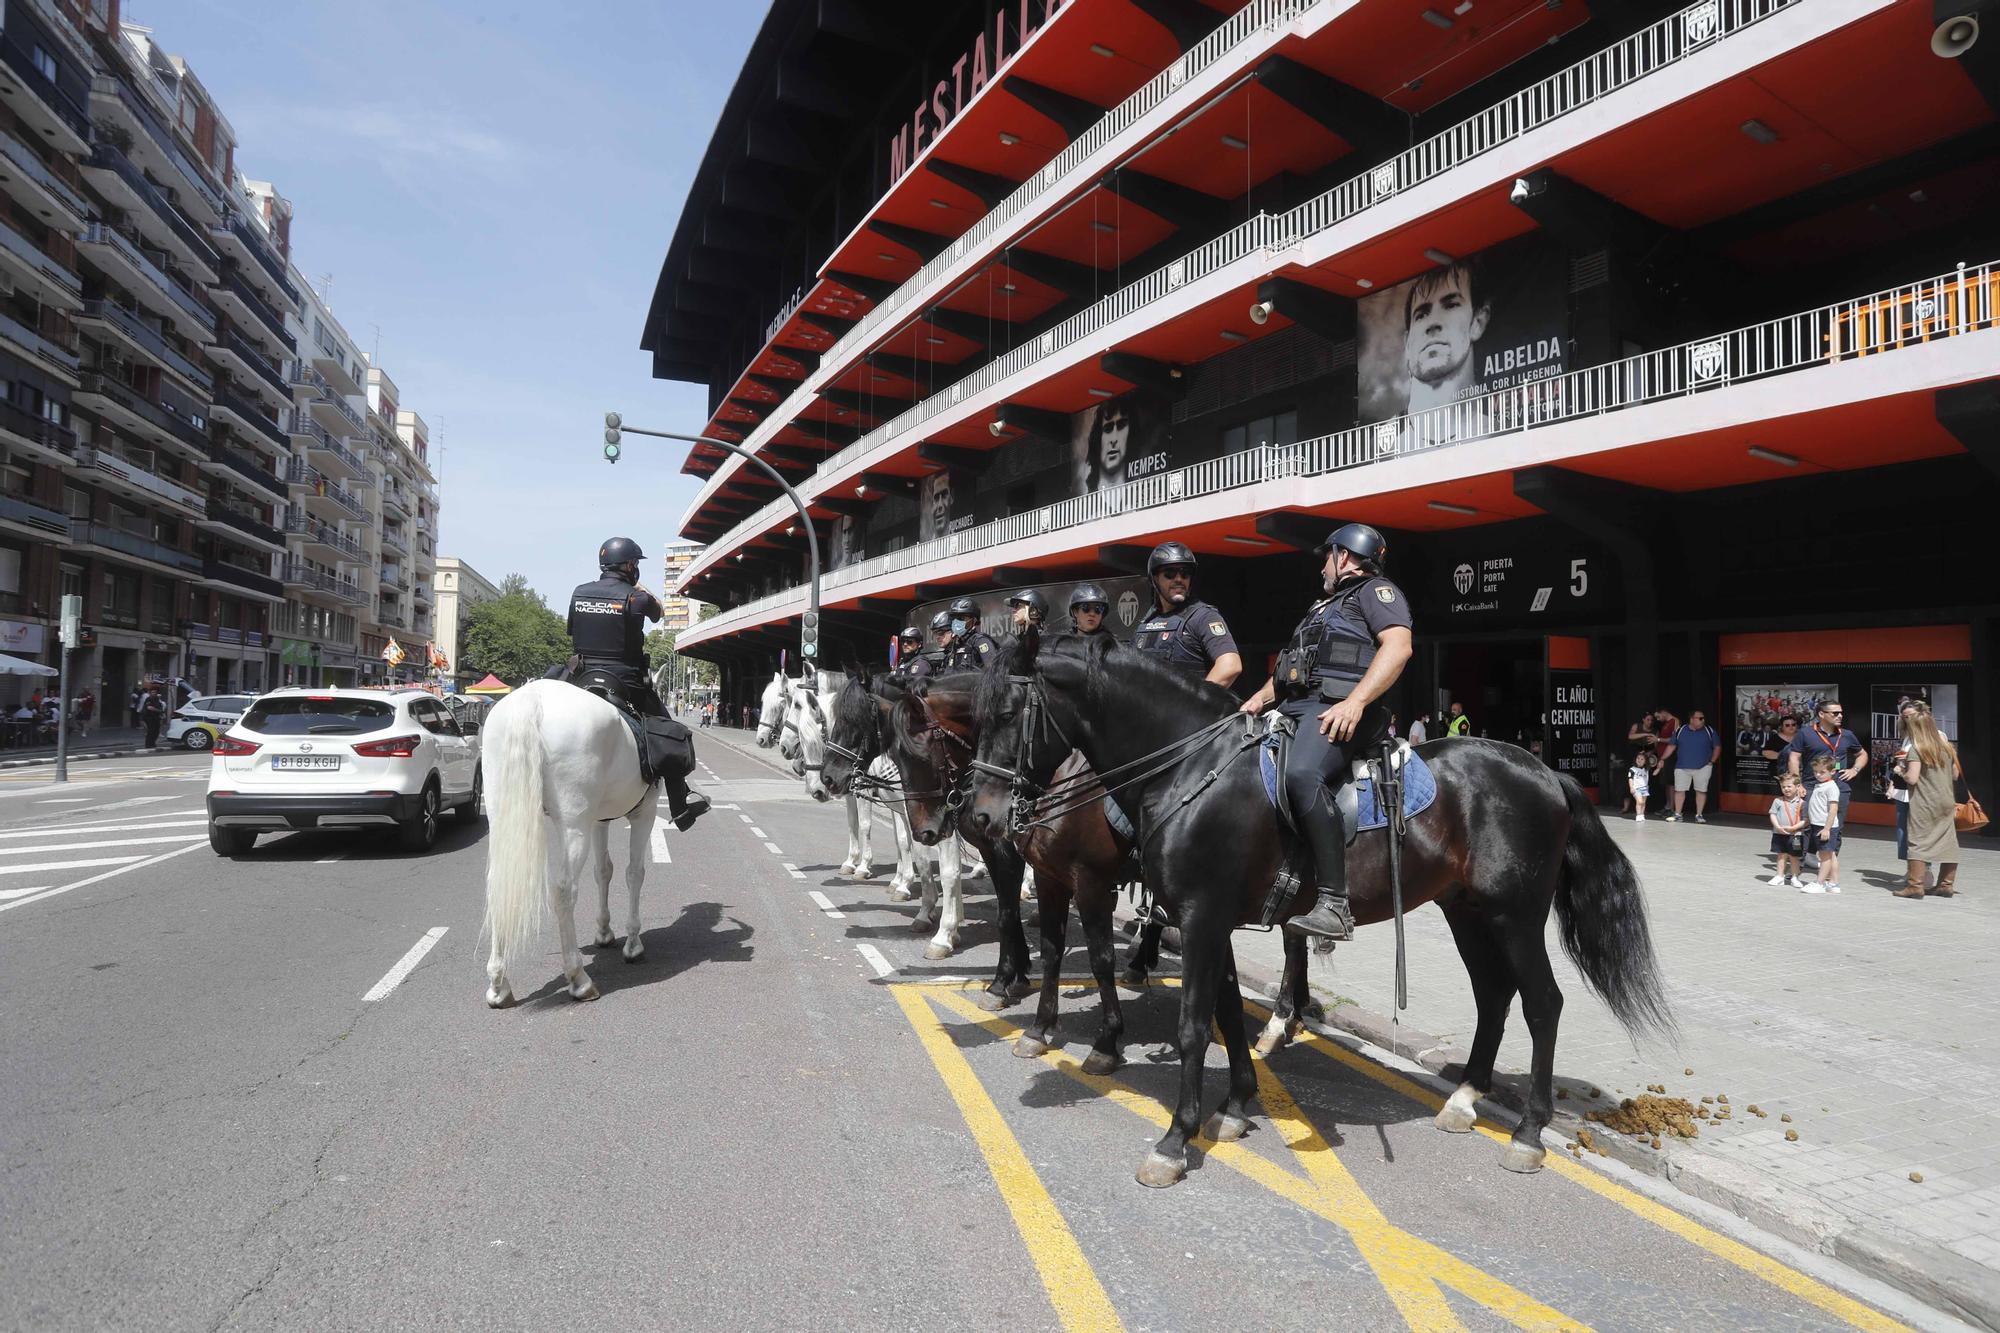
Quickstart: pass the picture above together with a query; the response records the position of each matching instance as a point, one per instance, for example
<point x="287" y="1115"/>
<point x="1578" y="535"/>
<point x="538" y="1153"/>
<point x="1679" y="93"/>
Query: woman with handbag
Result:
<point x="1929" y="768"/>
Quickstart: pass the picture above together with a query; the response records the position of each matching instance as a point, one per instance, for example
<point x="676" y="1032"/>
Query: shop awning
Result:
<point x="20" y="666"/>
<point x="492" y="684"/>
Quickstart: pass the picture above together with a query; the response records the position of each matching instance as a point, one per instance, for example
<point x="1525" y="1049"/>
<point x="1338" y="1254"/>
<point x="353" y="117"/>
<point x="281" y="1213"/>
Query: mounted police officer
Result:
<point x="911" y="661"/>
<point x="1342" y="658"/>
<point x="607" y="631"/>
<point x="1027" y="607"/>
<point x="941" y="632"/>
<point x="971" y="647"/>
<point x="1189" y="635"/>
<point x="1087" y="608"/>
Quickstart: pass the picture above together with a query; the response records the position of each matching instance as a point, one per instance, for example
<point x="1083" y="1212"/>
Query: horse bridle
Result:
<point x="1023" y="791"/>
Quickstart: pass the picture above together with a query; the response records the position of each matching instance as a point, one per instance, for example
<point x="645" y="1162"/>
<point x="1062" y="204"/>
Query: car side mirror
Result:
<point x="468" y="728"/>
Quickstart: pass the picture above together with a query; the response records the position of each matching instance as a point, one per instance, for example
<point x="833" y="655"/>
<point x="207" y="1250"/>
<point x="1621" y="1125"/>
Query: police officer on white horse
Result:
<point x="1342" y="658"/>
<point x="607" y="631"/>
<point x="1186" y="634"/>
<point x="971" y="647"/>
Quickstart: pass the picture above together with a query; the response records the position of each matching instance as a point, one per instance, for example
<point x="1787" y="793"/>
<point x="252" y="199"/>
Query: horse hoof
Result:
<point x="1132" y="980"/>
<point x="866" y="872"/>
<point x="583" y="988"/>
<point x="1226" y="1128"/>
<point x="499" y="999"/>
<point x="994" y="1004"/>
<point x="1272" y="1040"/>
<point x="1460" y="1111"/>
<point x="1159" y="1171"/>
<point x="935" y="951"/>
<point x="635" y="952"/>
<point x="1030" y="1047"/>
<point x="605" y="940"/>
<point x="1102" y="1062"/>
<point x="1520" y="1158"/>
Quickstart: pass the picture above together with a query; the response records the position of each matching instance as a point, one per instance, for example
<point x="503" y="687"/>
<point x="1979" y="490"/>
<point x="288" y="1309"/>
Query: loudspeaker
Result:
<point x="1954" y="36"/>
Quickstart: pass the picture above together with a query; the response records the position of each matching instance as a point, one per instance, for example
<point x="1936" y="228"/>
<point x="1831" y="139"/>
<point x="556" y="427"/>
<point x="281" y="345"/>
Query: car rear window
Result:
<point x="311" y="715"/>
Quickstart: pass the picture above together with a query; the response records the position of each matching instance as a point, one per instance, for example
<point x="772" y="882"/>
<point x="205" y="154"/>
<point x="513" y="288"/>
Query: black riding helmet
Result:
<point x="912" y="634"/>
<point x="965" y="606"/>
<point x="1169" y="553"/>
<point x="1031" y="598"/>
<point x="1359" y="540"/>
<point x="941" y="622"/>
<point x="619" y="551"/>
<point x="1088" y="594"/>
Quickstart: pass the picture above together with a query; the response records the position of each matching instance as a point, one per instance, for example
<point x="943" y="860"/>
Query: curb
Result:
<point x="81" y="758"/>
<point x="1947" y="1282"/>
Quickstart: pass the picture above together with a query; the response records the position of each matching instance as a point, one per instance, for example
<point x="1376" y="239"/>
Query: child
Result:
<point x="1788" y="830"/>
<point x="1823" y="814"/>
<point x="1640" y="782"/>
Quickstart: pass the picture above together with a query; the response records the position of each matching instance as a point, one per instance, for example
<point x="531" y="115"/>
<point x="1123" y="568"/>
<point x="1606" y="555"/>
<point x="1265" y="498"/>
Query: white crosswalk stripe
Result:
<point x="123" y="826"/>
<point x="69" y="865"/>
<point x="95" y="843"/>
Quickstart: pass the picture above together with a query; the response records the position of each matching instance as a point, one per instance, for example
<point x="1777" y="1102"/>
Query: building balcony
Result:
<point x="241" y="526"/>
<point x="321" y="495"/>
<point x="394" y="576"/>
<point x="298" y="574"/>
<point x="36" y="436"/>
<point x="328" y="454"/>
<point x="154" y="146"/>
<point x="30" y="519"/>
<point x="38" y="189"/>
<point x="236" y="353"/>
<point x="151" y="285"/>
<point x="225" y="577"/>
<point x="395" y="500"/>
<point x="345" y="377"/>
<point x="46" y="351"/>
<point x="393" y="541"/>
<point x="134" y="482"/>
<point x="138" y="336"/>
<point x="245" y="471"/>
<point x="127" y="188"/>
<point x="52" y="283"/>
<point x="227" y="634"/>
<point x="38" y="101"/>
<point x="336" y="410"/>
<point x="247" y="417"/>
<point x="322" y="541"/>
<point x="150" y="421"/>
<point x="421" y="593"/>
<point x="248" y="245"/>
<point x="240" y="301"/>
<point x="116" y="541"/>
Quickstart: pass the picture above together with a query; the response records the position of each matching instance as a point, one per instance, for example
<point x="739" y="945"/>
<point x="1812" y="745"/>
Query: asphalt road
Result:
<point x="205" y="1124"/>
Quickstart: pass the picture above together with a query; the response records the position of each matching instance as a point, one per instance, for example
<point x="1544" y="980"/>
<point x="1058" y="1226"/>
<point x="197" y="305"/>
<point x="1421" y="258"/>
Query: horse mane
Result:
<point x="1107" y="666"/>
<point x="853" y="704"/>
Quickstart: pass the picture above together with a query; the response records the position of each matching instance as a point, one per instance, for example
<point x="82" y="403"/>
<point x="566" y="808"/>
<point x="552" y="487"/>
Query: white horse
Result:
<point x="808" y="703"/>
<point x="771" y="716"/>
<point x="557" y="758"/>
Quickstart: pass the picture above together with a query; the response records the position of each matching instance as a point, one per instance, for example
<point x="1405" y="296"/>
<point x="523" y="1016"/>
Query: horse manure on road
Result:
<point x="1791" y="1136"/>
<point x="1651" y="1117"/>
<point x="1785" y="1118"/>
<point x="1916" y="1177"/>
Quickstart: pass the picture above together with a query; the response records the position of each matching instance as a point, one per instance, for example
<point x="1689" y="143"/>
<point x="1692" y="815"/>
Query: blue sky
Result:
<point x="494" y="185"/>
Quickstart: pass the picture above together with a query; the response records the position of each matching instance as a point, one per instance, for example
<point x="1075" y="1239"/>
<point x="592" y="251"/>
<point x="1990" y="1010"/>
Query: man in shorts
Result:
<point x="1692" y="747"/>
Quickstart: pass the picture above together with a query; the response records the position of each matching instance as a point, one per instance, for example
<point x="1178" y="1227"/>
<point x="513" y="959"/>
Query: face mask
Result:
<point x="958" y="627"/>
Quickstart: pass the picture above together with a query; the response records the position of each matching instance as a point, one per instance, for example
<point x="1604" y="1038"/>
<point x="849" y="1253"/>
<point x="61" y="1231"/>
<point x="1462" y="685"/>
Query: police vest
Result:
<point x="607" y="623"/>
<point x="916" y="666"/>
<point x="1333" y="643"/>
<point x="1176" y="640"/>
<point x="970" y="651"/>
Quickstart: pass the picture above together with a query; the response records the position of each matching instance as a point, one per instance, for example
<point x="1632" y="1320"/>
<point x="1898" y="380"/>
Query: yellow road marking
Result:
<point x="1752" y="1261"/>
<point x="1408" y="1266"/>
<point x="1079" y="1298"/>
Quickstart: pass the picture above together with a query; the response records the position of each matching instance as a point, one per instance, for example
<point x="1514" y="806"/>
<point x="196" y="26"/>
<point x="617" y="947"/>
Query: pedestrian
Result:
<point x="1788" y="831"/>
<point x="1929" y="768"/>
<point x="132" y="706"/>
<point x="1638" y="782"/>
<point x="152" y="711"/>
<point x="1419" y="732"/>
<point x="86" y="709"/>
<point x="1460" y="724"/>
<point x="1899" y="784"/>
<point x="1826" y="736"/>
<point x="1691" y="750"/>
<point x="1823" y="820"/>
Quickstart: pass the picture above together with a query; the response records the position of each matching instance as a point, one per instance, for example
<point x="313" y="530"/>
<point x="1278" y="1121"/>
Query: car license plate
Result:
<point x="305" y="761"/>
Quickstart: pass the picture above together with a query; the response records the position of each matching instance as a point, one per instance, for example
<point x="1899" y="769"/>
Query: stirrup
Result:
<point x="697" y="805"/>
<point x="1329" y="919"/>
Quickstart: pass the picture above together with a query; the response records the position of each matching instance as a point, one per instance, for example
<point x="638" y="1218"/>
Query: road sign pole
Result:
<point x="62" y="720"/>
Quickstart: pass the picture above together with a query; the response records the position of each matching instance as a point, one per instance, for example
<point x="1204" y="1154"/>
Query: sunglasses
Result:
<point x="1176" y="572"/>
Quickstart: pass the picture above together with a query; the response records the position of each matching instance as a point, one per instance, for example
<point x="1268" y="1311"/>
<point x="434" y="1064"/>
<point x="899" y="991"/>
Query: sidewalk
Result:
<point x="101" y="743"/>
<point x="1867" y="1019"/>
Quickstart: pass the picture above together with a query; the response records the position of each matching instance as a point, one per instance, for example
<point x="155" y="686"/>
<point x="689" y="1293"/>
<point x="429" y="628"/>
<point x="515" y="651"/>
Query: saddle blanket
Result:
<point x="1419" y="785"/>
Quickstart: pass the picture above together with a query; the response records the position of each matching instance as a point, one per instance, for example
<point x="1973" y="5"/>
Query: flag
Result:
<point x="435" y="656"/>
<point x="393" y="653"/>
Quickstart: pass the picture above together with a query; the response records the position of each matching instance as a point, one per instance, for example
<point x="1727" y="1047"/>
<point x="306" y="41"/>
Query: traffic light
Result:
<point x="809" y="634"/>
<point x="612" y="421"/>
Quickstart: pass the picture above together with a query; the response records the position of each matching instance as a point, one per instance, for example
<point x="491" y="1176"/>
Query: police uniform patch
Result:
<point x="1216" y="627"/>
<point x="1384" y="593"/>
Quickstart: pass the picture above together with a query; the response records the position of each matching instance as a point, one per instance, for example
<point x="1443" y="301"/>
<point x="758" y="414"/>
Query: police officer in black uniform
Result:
<point x="971" y="647"/>
<point x="1190" y="636"/>
<point x="1087" y="608"/>
<point x="607" y="631"/>
<point x="1027" y="607"/>
<point x="941" y="631"/>
<point x="911" y="662"/>
<point x="1343" y="657"/>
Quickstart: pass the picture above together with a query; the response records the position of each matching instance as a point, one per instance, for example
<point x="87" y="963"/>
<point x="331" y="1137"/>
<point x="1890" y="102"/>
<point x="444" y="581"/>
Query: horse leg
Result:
<point x="1232" y="1122"/>
<point x="1039" y="1035"/>
<point x="600" y="863"/>
<point x="1492" y="980"/>
<point x="945" y="942"/>
<point x="576" y="853"/>
<point x="1204" y="956"/>
<point x="635" y="874"/>
<point x="1541" y="1005"/>
<point x="861" y="823"/>
<point x="1289" y="1012"/>
<point x="1094" y="910"/>
<point x="902" y="886"/>
<point x="1145" y="953"/>
<point x="1010" y="974"/>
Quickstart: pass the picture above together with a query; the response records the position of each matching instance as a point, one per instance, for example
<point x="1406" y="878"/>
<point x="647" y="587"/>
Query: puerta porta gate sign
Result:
<point x="1520" y="586"/>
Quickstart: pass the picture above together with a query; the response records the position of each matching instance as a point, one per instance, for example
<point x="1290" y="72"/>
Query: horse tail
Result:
<point x="1602" y="915"/>
<point x="517" y="850"/>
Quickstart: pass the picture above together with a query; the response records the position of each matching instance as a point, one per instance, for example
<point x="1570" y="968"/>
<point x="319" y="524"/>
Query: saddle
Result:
<point x="666" y="747"/>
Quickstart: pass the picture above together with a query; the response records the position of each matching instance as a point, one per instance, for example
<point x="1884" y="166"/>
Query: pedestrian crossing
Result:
<point x="37" y="860"/>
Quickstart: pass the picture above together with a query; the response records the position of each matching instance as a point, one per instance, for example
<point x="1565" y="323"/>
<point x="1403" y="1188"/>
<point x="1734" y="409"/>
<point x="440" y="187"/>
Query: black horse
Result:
<point x="1505" y="839"/>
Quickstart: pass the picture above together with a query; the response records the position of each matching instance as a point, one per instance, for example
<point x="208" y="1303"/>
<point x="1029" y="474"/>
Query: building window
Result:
<point x="71" y="580"/>
<point x="10" y="569"/>
<point x="46" y="63"/>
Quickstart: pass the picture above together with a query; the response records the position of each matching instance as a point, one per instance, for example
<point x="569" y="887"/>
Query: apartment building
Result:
<point x="405" y="530"/>
<point x="456" y="588"/>
<point x="1661" y="346"/>
<point x="678" y="610"/>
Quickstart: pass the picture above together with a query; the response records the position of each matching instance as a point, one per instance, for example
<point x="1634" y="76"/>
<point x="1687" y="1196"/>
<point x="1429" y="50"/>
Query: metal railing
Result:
<point x="228" y="279"/>
<point x="112" y="86"/>
<point x="107" y="157"/>
<point x="39" y="344"/>
<point x="150" y="339"/>
<point x="260" y="249"/>
<point x="246" y="469"/>
<point x="257" y="361"/>
<point x="154" y="413"/>
<point x="23" y="64"/>
<point x="38" y="259"/>
<point x="392" y="542"/>
<point x="301" y="524"/>
<point x="253" y="416"/>
<point x="18" y="420"/>
<point x="319" y="437"/>
<point x="130" y="473"/>
<point x="302" y="473"/>
<point x="221" y="571"/>
<point x="1964" y="301"/>
<point x="247" y="524"/>
<point x="39" y="517"/>
<point x="103" y="233"/>
<point x="38" y="171"/>
<point x="1645" y="52"/>
<point x="85" y="533"/>
<point x="305" y="576"/>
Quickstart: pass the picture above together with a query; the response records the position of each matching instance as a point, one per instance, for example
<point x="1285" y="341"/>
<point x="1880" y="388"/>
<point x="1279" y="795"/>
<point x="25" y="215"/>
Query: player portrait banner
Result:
<point x="1761" y="710"/>
<point x="1118" y="440"/>
<point x="1885" y="725"/>
<point x="1491" y="321"/>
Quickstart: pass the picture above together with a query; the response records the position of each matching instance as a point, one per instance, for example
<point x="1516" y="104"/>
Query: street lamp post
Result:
<point x="614" y="426"/>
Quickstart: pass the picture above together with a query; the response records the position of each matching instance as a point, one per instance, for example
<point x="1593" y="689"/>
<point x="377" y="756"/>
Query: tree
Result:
<point x="515" y="636"/>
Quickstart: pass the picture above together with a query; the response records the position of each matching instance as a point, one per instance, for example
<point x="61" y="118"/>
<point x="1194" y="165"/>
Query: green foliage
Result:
<point x="515" y="636"/>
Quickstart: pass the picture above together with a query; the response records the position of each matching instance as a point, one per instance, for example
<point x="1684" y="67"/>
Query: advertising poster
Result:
<point x="1572" y="733"/>
<point x="1119" y="440"/>
<point x="1491" y="321"/>
<point x="1762" y="710"/>
<point x="1885" y="727"/>
<point x="844" y="542"/>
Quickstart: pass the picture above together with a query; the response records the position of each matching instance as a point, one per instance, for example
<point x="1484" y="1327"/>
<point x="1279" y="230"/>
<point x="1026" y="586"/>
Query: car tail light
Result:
<point x="177" y="716"/>
<point x="396" y="747"/>
<point x="230" y="745"/>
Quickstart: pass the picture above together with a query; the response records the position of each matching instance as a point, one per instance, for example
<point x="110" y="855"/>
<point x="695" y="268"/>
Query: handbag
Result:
<point x="1969" y="816"/>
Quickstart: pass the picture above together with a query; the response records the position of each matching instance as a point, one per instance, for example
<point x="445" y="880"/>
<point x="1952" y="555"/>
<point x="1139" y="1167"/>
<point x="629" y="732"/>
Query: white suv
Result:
<point x="341" y="758"/>
<point x="198" y="722"/>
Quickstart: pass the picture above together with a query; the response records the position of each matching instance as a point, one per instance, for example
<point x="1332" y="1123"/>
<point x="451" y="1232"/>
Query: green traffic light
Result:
<point x="611" y="452"/>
